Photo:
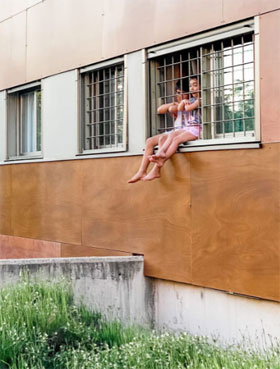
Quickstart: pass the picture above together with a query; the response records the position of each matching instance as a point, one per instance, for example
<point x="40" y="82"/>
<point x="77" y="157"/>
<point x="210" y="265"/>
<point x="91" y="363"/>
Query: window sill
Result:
<point x="105" y="151"/>
<point x="189" y="147"/>
<point x="192" y="147"/>
<point x="23" y="158"/>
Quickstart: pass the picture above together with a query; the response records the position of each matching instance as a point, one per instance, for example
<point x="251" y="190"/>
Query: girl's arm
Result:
<point x="182" y="104"/>
<point x="173" y="109"/>
<point x="163" y="109"/>
<point x="192" y="106"/>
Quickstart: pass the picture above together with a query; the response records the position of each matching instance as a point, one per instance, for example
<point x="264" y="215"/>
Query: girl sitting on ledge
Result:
<point x="187" y="127"/>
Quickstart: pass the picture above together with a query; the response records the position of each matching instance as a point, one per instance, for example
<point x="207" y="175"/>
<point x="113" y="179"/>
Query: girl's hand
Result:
<point x="192" y="106"/>
<point x="182" y="104"/>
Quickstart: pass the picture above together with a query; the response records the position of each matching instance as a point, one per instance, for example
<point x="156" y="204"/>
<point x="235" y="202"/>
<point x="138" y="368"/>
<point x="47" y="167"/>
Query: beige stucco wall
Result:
<point x="41" y="38"/>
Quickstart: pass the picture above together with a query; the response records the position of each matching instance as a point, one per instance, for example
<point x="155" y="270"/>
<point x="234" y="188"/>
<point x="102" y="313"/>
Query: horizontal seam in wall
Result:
<point x="38" y="239"/>
<point x="231" y="293"/>
<point x="22" y="11"/>
<point x="99" y="248"/>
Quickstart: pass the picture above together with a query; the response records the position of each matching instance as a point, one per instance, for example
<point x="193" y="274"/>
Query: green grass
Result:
<point x="40" y="327"/>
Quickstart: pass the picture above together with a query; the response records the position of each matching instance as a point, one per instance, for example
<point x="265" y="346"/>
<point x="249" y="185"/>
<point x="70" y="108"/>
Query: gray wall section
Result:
<point x="114" y="286"/>
<point x="60" y="116"/>
<point x="137" y="99"/>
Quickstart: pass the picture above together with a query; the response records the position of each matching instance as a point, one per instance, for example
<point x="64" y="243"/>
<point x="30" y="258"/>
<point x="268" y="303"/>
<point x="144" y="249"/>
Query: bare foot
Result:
<point x="137" y="177"/>
<point x="158" y="160"/>
<point x="152" y="175"/>
<point x="159" y="155"/>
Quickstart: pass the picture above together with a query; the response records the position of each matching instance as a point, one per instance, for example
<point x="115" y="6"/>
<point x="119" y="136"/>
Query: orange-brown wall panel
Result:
<point x="25" y="248"/>
<point x="269" y="75"/>
<point x="13" y="247"/>
<point x="28" y="198"/>
<point x="47" y="44"/>
<point x="5" y="200"/>
<point x="211" y="220"/>
<point x="64" y="197"/>
<point x="83" y="251"/>
<point x="236" y="219"/>
<point x="145" y="218"/>
<point x="46" y="202"/>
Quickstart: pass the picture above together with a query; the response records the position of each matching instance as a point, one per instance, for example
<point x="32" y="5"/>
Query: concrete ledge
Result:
<point x="80" y="260"/>
<point x="115" y="286"/>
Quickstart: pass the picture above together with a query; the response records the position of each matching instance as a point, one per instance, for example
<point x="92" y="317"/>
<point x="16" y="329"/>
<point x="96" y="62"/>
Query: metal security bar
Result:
<point x="103" y="108"/>
<point x="225" y="71"/>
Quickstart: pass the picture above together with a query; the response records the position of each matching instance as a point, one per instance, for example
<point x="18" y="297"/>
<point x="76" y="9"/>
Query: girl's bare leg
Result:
<point x="155" y="172"/>
<point x="161" y="154"/>
<point x="150" y="144"/>
<point x="162" y="150"/>
<point x="177" y="140"/>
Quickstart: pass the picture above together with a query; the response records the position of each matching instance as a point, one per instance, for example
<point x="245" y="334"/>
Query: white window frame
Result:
<point x="120" y="147"/>
<point x="15" y="121"/>
<point x="239" y="29"/>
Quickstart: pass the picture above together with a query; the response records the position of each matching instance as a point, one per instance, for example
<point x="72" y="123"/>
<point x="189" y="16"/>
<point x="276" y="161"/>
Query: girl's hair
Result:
<point x="184" y="83"/>
<point x="196" y="77"/>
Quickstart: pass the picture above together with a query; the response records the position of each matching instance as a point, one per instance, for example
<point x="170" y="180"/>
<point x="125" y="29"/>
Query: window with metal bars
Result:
<point x="225" y="71"/>
<point x="103" y="117"/>
<point x="24" y="122"/>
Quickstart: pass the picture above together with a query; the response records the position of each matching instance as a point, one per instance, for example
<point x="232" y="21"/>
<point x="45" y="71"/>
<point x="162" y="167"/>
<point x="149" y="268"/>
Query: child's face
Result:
<point x="181" y="95"/>
<point x="194" y="87"/>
